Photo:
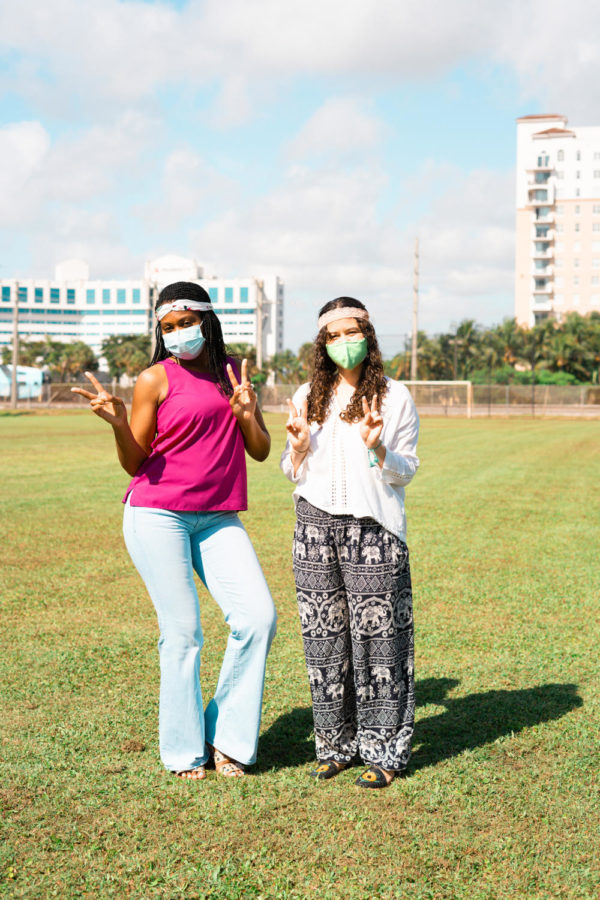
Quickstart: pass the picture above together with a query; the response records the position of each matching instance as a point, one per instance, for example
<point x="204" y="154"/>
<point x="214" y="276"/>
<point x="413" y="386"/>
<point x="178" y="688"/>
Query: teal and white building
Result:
<point x="74" y="307"/>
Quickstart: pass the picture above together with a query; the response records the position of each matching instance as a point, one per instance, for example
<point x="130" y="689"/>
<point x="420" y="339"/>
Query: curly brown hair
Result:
<point x="325" y="375"/>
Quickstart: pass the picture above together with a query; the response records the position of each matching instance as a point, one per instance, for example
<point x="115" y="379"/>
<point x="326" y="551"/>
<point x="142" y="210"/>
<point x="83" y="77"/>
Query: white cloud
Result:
<point x="24" y="147"/>
<point x="340" y="129"/>
<point x="322" y="232"/>
<point x="78" y="55"/>
<point x="190" y="187"/>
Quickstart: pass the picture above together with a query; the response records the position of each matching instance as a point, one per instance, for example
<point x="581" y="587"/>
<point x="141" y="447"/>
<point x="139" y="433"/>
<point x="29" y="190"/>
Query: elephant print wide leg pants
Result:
<point x="355" y="602"/>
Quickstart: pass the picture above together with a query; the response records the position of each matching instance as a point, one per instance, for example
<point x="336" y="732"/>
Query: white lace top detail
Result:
<point x="335" y="475"/>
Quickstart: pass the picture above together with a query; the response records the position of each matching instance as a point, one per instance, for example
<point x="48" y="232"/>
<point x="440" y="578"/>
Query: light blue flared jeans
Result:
<point x="166" y="547"/>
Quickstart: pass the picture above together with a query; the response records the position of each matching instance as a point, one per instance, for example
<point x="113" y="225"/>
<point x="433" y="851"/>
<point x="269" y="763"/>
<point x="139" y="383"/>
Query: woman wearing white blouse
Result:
<point x="352" y="436"/>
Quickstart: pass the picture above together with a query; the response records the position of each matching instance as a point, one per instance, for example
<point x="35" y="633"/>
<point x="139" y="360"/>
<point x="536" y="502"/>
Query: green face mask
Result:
<point x="347" y="354"/>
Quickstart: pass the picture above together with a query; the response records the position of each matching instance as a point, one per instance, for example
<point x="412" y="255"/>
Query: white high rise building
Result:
<point x="72" y="307"/>
<point x="558" y="219"/>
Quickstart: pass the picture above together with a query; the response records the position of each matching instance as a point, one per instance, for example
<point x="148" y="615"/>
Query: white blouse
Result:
<point x="335" y="474"/>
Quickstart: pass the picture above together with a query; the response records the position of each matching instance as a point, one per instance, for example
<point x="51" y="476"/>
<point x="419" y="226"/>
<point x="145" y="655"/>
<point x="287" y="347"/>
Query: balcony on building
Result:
<point x="542" y="250"/>
<point x="545" y="272"/>
<point x="538" y="178"/>
<point x="542" y="215"/>
<point x="542" y="304"/>
<point x="540" y="195"/>
<point x="542" y="233"/>
<point x="542" y="286"/>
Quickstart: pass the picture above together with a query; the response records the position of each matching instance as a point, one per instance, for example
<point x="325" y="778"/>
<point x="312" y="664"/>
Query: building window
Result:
<point x="560" y="174"/>
<point x="595" y="226"/>
<point x="106" y="295"/>
<point x="54" y="295"/>
<point x="577" y="209"/>
<point x="595" y="246"/>
<point x="575" y="299"/>
<point x="90" y="296"/>
<point x="595" y="299"/>
<point x="576" y="263"/>
<point x="576" y="226"/>
<point x="560" y="245"/>
<point x="578" y="156"/>
<point x="560" y="210"/>
<point x="559" y="263"/>
<point x="23" y="295"/>
<point x="595" y="279"/>
<point x="596" y="154"/>
<point x="596" y="208"/>
<point x="228" y="295"/>
<point x="559" y="282"/>
<point x="577" y="246"/>
<point x="136" y="295"/>
<point x="5" y="293"/>
<point x="213" y="293"/>
<point x="39" y="295"/>
<point x="121" y="296"/>
<point x="70" y="295"/>
<point x="560" y="228"/>
<point x="577" y="192"/>
<point x="560" y="155"/>
<point x="559" y="299"/>
<point x="596" y="263"/>
<point x="575" y="280"/>
<point x="577" y="174"/>
<point x="243" y="295"/>
<point x="596" y="173"/>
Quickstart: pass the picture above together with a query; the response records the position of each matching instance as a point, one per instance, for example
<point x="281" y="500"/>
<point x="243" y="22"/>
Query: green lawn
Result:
<point x="502" y="796"/>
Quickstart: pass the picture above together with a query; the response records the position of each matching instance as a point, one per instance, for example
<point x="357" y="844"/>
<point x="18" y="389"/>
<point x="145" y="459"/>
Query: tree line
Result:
<point x="551" y="352"/>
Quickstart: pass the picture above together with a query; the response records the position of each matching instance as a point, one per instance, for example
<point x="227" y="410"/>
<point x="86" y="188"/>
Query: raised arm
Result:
<point x="133" y="441"/>
<point x="245" y="408"/>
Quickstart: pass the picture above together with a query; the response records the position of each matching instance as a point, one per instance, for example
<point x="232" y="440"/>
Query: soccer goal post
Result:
<point x="442" y="397"/>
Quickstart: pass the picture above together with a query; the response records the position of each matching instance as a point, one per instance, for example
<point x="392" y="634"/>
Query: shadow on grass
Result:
<point x="288" y="742"/>
<point x="468" y="722"/>
<point x="478" y="719"/>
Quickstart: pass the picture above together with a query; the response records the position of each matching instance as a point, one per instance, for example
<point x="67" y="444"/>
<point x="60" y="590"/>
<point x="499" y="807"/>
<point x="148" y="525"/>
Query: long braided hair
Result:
<point x="209" y="325"/>
<point x="325" y="375"/>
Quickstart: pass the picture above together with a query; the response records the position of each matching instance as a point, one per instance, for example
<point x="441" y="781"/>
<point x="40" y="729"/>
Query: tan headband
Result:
<point x="344" y="312"/>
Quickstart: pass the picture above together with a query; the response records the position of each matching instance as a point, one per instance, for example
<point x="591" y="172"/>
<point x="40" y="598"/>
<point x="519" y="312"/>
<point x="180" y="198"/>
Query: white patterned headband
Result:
<point x="344" y="312"/>
<point x="180" y="304"/>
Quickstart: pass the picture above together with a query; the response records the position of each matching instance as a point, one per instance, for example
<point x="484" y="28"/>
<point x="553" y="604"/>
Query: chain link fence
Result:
<point x="467" y="399"/>
<point x="431" y="398"/>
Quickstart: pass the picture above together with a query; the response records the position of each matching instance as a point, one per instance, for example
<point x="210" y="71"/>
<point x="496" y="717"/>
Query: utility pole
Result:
<point x="14" y="386"/>
<point x="414" y="350"/>
<point x="260" y="302"/>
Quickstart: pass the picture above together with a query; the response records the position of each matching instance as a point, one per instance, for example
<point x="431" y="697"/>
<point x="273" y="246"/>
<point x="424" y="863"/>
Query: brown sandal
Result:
<point x="226" y="766"/>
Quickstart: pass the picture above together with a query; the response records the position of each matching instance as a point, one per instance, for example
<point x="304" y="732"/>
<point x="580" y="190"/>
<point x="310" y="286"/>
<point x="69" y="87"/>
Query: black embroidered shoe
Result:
<point x="375" y="777"/>
<point x="328" y="769"/>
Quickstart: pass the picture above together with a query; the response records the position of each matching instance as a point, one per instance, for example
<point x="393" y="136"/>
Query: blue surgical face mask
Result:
<point x="184" y="343"/>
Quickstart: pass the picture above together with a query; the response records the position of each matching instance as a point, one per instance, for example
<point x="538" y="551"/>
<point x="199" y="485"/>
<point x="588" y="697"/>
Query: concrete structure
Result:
<point x="558" y="219"/>
<point x="74" y="308"/>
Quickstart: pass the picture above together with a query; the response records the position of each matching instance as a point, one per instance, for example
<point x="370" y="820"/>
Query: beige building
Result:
<point x="558" y="219"/>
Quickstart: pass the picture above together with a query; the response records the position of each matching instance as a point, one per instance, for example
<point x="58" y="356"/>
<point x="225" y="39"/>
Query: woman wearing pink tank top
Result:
<point x="193" y="418"/>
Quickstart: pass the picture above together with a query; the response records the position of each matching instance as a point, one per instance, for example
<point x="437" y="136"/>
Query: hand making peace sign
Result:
<point x="298" y="429"/>
<point x="243" y="399"/>
<point x="111" y="409"/>
<point x="371" y="424"/>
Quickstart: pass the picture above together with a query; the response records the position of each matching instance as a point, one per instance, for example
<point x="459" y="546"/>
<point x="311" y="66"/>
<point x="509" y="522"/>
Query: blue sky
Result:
<point x="311" y="139"/>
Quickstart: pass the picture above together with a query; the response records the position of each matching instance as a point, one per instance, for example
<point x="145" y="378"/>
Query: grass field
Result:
<point x="502" y="798"/>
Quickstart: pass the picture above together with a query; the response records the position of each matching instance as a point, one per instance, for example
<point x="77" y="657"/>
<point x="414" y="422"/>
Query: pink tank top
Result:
<point x="198" y="461"/>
